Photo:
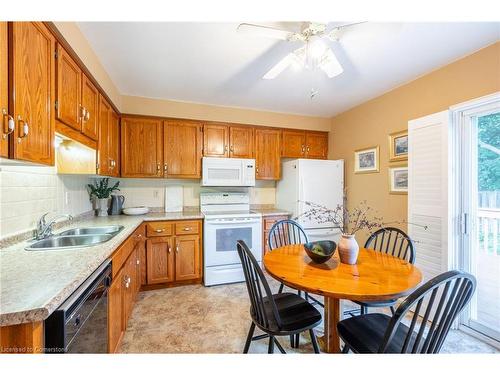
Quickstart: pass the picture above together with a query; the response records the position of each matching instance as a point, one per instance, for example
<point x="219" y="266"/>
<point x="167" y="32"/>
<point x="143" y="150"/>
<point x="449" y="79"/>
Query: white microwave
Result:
<point x="228" y="172"/>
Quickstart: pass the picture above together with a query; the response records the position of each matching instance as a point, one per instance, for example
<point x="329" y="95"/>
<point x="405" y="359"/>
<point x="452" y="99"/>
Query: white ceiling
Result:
<point x="214" y="64"/>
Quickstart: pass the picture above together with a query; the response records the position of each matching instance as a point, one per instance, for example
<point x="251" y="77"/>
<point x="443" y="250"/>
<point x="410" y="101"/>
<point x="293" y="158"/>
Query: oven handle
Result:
<point x="225" y="222"/>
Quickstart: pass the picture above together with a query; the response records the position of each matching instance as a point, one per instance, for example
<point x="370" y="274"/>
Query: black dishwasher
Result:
<point x="80" y="324"/>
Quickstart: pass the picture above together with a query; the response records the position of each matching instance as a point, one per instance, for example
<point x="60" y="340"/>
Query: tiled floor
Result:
<point x="196" y="319"/>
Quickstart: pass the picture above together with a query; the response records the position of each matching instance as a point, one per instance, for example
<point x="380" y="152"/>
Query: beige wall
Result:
<point x="370" y="123"/>
<point x="171" y="108"/>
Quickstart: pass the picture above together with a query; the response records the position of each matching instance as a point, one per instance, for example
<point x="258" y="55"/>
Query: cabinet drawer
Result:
<point x="269" y="222"/>
<point x="186" y="227"/>
<point x="158" y="229"/>
<point x="121" y="254"/>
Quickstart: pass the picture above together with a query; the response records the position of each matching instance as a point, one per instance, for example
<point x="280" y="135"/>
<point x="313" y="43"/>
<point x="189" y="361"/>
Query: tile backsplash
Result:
<point x="27" y="192"/>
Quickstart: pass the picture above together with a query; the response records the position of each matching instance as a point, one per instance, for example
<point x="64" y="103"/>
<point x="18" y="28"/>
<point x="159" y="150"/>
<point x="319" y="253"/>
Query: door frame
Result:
<point x="463" y="141"/>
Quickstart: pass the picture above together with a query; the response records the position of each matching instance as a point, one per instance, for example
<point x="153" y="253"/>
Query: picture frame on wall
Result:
<point x="398" y="179"/>
<point x="398" y="146"/>
<point x="367" y="160"/>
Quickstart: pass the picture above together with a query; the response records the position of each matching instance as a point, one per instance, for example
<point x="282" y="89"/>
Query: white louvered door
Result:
<point x="429" y="171"/>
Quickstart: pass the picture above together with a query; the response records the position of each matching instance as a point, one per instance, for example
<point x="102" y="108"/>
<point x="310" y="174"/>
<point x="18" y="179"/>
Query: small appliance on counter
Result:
<point x="174" y="198"/>
<point x="116" y="205"/>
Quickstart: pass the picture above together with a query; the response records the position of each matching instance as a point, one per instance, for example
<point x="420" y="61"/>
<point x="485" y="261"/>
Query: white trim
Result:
<point x="478" y="335"/>
<point x="477" y="102"/>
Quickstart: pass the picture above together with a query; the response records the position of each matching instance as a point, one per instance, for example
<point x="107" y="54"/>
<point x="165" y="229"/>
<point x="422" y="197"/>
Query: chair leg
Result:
<point x="297" y="340"/>
<point x="280" y="290"/>
<point x="314" y="341"/>
<point x="345" y="349"/>
<point x="364" y="310"/>
<point x="277" y="343"/>
<point x="270" y="349"/>
<point x="292" y="341"/>
<point x="249" y="338"/>
<point x="393" y="311"/>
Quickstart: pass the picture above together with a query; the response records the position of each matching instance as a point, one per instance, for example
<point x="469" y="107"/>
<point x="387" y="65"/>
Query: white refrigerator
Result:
<point x="316" y="181"/>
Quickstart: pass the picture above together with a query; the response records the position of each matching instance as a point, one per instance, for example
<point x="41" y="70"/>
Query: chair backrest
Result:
<point x="427" y="314"/>
<point x="261" y="298"/>
<point x="392" y="241"/>
<point x="286" y="232"/>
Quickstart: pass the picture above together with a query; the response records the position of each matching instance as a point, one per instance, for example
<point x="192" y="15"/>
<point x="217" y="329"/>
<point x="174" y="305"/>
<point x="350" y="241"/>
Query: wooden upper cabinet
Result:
<point x="4" y="97"/>
<point x="182" y="140"/>
<point x="267" y="154"/>
<point x="90" y="109"/>
<point x="142" y="147"/>
<point x="215" y="140"/>
<point x="69" y="90"/>
<point x="294" y="144"/>
<point x="103" y="154"/>
<point x="33" y="92"/>
<point x="187" y="258"/>
<point x="317" y="145"/>
<point x="241" y="142"/>
<point x="114" y="143"/>
<point x="160" y="260"/>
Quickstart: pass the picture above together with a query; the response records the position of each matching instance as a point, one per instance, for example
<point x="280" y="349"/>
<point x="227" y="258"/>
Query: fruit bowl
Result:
<point x="320" y="251"/>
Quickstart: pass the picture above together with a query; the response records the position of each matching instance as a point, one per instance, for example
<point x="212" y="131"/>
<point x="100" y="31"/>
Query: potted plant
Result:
<point x="349" y="222"/>
<point x="101" y="192"/>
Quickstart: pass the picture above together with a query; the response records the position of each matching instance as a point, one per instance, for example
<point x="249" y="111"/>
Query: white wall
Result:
<point x="27" y="192"/>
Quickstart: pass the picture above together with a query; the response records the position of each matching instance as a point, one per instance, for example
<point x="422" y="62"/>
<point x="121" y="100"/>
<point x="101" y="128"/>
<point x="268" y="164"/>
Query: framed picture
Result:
<point x="398" y="146"/>
<point x="398" y="179"/>
<point x="366" y="160"/>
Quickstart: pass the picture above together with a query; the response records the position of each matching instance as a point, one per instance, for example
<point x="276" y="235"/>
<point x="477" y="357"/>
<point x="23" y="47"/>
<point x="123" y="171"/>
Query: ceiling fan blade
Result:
<point x="330" y="65"/>
<point x="334" y="34"/>
<point x="284" y="63"/>
<point x="265" y="31"/>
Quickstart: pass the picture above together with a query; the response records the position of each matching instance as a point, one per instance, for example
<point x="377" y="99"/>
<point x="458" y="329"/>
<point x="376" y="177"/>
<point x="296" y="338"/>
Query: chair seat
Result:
<point x="365" y="333"/>
<point x="385" y="303"/>
<point x="295" y="312"/>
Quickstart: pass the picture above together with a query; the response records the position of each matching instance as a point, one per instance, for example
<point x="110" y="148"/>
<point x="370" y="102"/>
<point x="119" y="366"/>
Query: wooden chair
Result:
<point x="430" y="311"/>
<point x="391" y="241"/>
<point x="282" y="314"/>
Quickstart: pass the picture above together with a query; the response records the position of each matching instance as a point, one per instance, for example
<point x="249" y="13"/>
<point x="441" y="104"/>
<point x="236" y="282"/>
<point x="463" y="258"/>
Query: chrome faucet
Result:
<point x="44" y="229"/>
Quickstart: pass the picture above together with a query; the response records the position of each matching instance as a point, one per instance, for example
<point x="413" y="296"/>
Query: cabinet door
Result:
<point x="294" y="144"/>
<point x="267" y="154"/>
<point x="114" y="143"/>
<point x="104" y="167"/>
<point x="241" y="142"/>
<point x="215" y="140"/>
<point x="183" y="143"/>
<point x="142" y="147"/>
<point x="4" y="104"/>
<point x="129" y="293"/>
<point x="187" y="258"/>
<point x="115" y="312"/>
<point x="160" y="260"/>
<point x="316" y="145"/>
<point x="90" y="104"/>
<point x="33" y="80"/>
<point x="69" y="89"/>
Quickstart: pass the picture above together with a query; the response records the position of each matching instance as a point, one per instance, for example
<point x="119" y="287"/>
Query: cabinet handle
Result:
<point x="158" y="168"/>
<point x="165" y="168"/>
<point x="187" y="229"/>
<point x="9" y="121"/>
<point x="159" y="230"/>
<point x="177" y="248"/>
<point x="82" y="113"/>
<point x="169" y="249"/>
<point x="87" y="115"/>
<point x="257" y="170"/>
<point x="225" y="148"/>
<point x="137" y="262"/>
<point x="231" y="148"/>
<point x="303" y="148"/>
<point x="24" y="127"/>
<point x="307" y="148"/>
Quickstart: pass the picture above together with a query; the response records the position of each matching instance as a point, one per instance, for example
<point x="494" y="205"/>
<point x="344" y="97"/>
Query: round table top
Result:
<point x="376" y="276"/>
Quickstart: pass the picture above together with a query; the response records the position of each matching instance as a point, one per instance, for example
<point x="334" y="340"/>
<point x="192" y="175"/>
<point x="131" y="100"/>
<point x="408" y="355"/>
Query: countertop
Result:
<point x="271" y="212"/>
<point x="34" y="283"/>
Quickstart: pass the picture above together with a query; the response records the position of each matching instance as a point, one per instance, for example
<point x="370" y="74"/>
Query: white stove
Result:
<point x="228" y="218"/>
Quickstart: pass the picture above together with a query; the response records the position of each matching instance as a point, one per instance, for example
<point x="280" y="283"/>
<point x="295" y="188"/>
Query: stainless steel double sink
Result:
<point x="77" y="237"/>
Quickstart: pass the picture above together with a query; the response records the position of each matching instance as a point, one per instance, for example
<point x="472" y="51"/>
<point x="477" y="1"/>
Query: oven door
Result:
<point x="221" y="236"/>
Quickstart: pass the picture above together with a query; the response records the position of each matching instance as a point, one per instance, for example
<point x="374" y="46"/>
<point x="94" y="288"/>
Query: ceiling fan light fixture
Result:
<point x="330" y="65"/>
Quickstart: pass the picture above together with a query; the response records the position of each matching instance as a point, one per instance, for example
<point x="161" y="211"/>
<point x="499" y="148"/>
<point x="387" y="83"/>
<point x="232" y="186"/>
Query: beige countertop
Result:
<point x="34" y="283"/>
<point x="271" y="212"/>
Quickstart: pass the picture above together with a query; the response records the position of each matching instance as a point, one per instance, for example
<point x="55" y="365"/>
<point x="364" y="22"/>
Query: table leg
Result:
<point x="330" y="342"/>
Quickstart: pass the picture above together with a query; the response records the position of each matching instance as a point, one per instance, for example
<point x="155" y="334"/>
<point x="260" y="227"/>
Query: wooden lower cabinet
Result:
<point x="160" y="260"/>
<point x="115" y="312"/>
<point x="267" y="224"/>
<point x="174" y="255"/>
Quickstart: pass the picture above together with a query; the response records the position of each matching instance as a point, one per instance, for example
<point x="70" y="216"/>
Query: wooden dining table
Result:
<point x="376" y="276"/>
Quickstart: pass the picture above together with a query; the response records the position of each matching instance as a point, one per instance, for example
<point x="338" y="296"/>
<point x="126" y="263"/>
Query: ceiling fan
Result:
<point x="315" y="53"/>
